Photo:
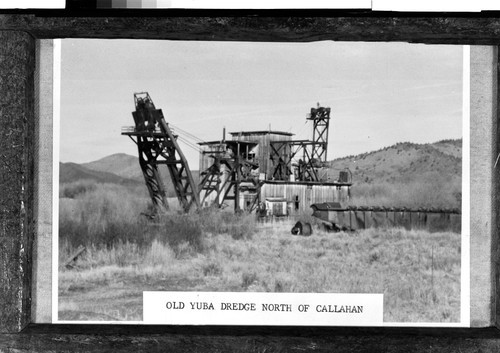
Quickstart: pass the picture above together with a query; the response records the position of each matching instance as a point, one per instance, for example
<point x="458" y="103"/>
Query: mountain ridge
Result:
<point x="403" y="165"/>
<point x="403" y="161"/>
<point x="71" y="172"/>
<point x="121" y="164"/>
<point x="127" y="167"/>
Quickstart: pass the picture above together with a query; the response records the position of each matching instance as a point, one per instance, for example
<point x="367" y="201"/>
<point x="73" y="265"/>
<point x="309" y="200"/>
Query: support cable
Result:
<point x="189" y="144"/>
<point x="187" y="133"/>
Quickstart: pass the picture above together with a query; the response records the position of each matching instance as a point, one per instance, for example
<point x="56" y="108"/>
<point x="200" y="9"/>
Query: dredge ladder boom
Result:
<point x="158" y="145"/>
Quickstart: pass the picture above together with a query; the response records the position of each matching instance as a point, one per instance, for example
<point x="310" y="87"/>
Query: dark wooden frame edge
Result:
<point x="21" y="29"/>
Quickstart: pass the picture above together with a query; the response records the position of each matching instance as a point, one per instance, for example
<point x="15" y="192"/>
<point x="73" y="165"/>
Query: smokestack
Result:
<point x="224" y="134"/>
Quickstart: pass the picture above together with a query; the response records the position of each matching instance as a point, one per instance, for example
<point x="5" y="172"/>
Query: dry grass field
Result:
<point x="418" y="272"/>
<point x="126" y="253"/>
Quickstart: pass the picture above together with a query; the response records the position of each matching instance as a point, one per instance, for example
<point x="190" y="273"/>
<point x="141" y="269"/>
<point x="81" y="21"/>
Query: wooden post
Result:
<point x="41" y="310"/>
<point x="17" y="68"/>
<point x="483" y="116"/>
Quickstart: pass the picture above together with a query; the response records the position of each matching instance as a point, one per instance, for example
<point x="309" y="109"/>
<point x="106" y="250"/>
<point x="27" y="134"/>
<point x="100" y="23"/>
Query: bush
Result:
<point x="212" y="269"/>
<point x="77" y="188"/>
<point x="248" y="278"/>
<point x="431" y="191"/>
<point x="215" y="221"/>
<point x="104" y="216"/>
<point x="183" y="229"/>
<point x="190" y="228"/>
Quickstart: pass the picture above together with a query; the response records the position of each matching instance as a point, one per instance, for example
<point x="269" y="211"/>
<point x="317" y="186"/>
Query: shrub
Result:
<point x="158" y="254"/>
<point x="430" y="191"/>
<point x="190" y="228"/>
<point x="374" y="256"/>
<point x="77" y="188"/>
<point x="247" y="279"/>
<point x="212" y="269"/>
<point x="216" y="221"/>
<point x="183" y="229"/>
<point x="307" y="217"/>
<point x="120" y="254"/>
<point x="104" y="216"/>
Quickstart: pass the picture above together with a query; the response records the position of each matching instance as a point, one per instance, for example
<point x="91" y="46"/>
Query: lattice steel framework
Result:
<point x="311" y="154"/>
<point x="158" y="145"/>
<point x="320" y="117"/>
<point x="229" y="176"/>
<point x="306" y="165"/>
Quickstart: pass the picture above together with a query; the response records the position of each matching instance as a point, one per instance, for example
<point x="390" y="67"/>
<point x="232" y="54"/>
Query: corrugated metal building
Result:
<point x="225" y="154"/>
<point x="299" y="196"/>
<point x="225" y="149"/>
<point x="263" y="150"/>
<point x="277" y="196"/>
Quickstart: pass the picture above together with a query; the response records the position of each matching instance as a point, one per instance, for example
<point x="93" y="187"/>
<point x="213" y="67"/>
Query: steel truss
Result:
<point x="158" y="145"/>
<point x="229" y="176"/>
<point x="313" y="152"/>
<point x="306" y="166"/>
<point x="321" y="120"/>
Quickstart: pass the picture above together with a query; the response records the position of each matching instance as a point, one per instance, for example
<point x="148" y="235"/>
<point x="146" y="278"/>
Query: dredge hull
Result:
<point x="352" y="218"/>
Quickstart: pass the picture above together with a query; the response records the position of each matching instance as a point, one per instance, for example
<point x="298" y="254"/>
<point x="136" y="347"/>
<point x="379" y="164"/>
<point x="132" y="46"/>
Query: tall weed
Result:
<point x="181" y="230"/>
<point x="76" y="188"/>
<point x="103" y="216"/>
<point x="106" y="215"/>
<point x="431" y="191"/>
<point x="215" y="221"/>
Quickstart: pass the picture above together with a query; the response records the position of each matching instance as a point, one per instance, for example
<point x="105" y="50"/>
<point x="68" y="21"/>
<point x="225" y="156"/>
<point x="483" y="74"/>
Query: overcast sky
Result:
<point x="379" y="93"/>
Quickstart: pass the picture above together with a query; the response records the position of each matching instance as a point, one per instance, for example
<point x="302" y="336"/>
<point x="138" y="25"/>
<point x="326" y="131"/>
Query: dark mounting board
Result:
<point x="19" y="31"/>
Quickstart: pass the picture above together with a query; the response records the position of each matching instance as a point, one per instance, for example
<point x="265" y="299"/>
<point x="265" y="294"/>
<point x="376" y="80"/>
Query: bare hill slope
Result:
<point x="72" y="172"/>
<point x="405" y="162"/>
<point x="120" y="164"/>
<point x="406" y="175"/>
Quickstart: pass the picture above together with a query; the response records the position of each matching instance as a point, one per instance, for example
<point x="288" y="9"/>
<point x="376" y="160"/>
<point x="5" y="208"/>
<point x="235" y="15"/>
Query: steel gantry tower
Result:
<point x="303" y="158"/>
<point x="320" y="117"/>
<point x="158" y="145"/>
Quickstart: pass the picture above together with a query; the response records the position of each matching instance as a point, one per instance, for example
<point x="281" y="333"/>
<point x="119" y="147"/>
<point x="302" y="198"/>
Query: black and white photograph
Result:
<point x="261" y="167"/>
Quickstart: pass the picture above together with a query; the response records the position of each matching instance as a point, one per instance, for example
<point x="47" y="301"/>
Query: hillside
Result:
<point x="117" y="168"/>
<point x="71" y="172"/>
<point x="406" y="175"/>
<point x="120" y="164"/>
<point x="404" y="162"/>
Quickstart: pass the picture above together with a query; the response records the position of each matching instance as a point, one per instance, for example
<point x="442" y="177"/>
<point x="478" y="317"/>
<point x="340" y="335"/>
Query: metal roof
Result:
<point x="227" y="142"/>
<point x="261" y="132"/>
<point x="328" y="206"/>
<point x="312" y="183"/>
